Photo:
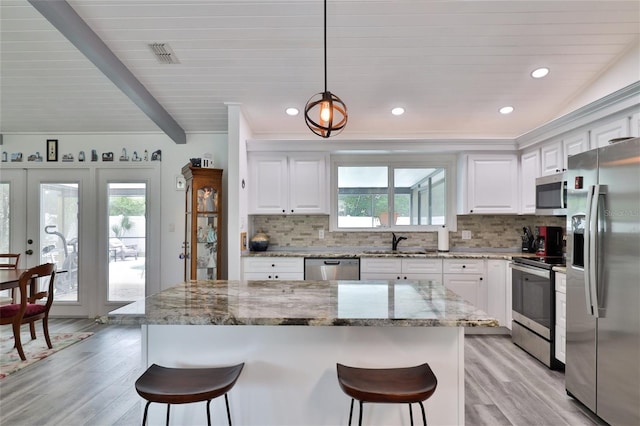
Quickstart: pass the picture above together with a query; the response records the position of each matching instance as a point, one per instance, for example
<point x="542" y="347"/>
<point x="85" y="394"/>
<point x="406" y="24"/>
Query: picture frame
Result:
<point x="52" y="149"/>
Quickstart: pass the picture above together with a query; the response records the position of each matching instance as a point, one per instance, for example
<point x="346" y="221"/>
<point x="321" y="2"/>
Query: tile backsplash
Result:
<point x="487" y="231"/>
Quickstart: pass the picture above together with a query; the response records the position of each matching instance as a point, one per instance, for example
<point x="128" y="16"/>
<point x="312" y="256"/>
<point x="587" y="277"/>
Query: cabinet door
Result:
<point x="497" y="290"/>
<point x="268" y="192"/>
<point x="561" y="326"/>
<point x="435" y="278"/>
<point x="551" y="158"/>
<point x="378" y="276"/>
<point x="468" y="286"/>
<point x="492" y="184"/>
<point x="308" y="192"/>
<point x="601" y="135"/>
<point x="574" y="144"/>
<point x="530" y="170"/>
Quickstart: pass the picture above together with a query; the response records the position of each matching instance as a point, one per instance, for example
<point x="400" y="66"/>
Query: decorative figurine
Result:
<point x="146" y="155"/>
<point x="94" y="155"/>
<point x="211" y="234"/>
<point x="135" y="156"/>
<point x="156" y="156"/>
<point x="107" y="156"/>
<point x="35" y="157"/>
<point x="81" y="156"/>
<point x="16" y="157"/>
<point x="4" y="156"/>
<point x="123" y="155"/>
<point x="67" y="157"/>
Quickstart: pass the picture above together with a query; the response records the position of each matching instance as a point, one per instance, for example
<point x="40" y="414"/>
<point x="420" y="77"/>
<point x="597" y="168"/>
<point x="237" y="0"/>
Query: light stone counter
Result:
<point x="290" y="335"/>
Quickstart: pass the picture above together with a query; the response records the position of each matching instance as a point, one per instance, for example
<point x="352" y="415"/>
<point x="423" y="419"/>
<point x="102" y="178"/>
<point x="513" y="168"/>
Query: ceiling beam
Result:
<point x="62" y="16"/>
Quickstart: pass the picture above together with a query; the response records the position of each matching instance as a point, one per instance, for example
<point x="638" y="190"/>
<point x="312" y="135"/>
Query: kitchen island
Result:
<point x="291" y="335"/>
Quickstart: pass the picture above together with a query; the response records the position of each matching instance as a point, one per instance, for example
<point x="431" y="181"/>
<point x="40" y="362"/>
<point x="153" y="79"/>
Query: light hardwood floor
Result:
<point x="91" y="383"/>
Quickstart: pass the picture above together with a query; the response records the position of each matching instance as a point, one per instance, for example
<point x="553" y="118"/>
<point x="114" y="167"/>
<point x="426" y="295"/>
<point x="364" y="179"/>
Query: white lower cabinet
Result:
<point x="373" y="268"/>
<point x="466" y="277"/>
<point x="561" y="316"/>
<point x="497" y="290"/>
<point x="273" y="268"/>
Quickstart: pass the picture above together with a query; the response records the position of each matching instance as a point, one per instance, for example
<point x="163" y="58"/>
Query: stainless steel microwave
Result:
<point x="551" y="195"/>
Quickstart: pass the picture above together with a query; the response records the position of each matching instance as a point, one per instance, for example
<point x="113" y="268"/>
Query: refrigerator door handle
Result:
<point x="587" y="251"/>
<point x="594" y="221"/>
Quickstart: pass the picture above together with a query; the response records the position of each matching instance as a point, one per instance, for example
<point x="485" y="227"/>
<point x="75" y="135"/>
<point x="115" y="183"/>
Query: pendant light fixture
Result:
<point x="325" y="113"/>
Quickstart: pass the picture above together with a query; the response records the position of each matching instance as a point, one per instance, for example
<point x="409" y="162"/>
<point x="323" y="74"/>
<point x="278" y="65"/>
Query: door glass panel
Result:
<point x="5" y="217"/>
<point x="127" y="241"/>
<point x="59" y="236"/>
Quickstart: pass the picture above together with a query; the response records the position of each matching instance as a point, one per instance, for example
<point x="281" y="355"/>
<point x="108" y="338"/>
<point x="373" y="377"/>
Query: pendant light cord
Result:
<point x="325" y="45"/>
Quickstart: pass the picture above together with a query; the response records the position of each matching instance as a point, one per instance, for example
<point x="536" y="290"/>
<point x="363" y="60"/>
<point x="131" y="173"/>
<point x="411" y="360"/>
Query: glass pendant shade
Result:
<point x="325" y="114"/>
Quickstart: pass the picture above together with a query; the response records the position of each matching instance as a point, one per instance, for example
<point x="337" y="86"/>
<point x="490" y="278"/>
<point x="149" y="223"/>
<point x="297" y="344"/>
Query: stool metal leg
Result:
<point x="144" y="417"/>
<point x="410" y="414"/>
<point x="360" y="418"/>
<point x="351" y="412"/>
<point x="226" y="401"/>
<point x="208" y="413"/>
<point x="168" y="409"/>
<point x="424" y="417"/>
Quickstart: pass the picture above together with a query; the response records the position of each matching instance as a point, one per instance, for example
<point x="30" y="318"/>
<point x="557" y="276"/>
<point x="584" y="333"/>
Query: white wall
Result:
<point x="174" y="157"/>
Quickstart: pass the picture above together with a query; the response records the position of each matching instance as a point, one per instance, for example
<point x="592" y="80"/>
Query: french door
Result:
<point x="65" y="216"/>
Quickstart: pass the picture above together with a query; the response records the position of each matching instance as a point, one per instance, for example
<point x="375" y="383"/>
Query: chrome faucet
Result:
<point x="396" y="240"/>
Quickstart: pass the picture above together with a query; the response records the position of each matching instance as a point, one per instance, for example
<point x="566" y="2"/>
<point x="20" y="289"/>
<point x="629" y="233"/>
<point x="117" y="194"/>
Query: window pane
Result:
<point x="419" y="196"/>
<point x="363" y="200"/>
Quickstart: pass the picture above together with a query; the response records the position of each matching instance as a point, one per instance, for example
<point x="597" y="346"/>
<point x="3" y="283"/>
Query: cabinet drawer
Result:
<point x="421" y="266"/>
<point x="274" y="264"/>
<point x="269" y="276"/>
<point x="561" y="282"/>
<point x="380" y="265"/>
<point x="463" y="266"/>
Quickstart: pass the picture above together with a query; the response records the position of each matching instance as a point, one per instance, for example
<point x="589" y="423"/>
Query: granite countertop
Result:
<point x="408" y="252"/>
<point x="305" y="303"/>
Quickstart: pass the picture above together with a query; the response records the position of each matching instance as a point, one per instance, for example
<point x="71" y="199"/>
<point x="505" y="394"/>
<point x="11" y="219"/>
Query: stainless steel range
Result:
<point x="533" y="304"/>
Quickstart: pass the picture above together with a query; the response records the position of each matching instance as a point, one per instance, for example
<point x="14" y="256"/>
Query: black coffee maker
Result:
<point x="528" y="241"/>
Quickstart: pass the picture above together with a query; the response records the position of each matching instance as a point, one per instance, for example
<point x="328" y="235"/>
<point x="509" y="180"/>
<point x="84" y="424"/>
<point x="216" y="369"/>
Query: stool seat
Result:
<point x="388" y="385"/>
<point x="186" y="385"/>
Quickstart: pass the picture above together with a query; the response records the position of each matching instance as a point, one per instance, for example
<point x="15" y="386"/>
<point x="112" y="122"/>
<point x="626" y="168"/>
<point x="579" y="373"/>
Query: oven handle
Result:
<point x="532" y="271"/>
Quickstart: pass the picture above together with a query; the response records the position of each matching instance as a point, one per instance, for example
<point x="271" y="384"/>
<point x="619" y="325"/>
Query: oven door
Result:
<point x="532" y="299"/>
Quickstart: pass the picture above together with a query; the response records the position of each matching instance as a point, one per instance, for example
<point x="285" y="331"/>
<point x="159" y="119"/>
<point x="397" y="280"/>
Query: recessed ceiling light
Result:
<point x="292" y="111"/>
<point x="506" y="110"/>
<point x="540" y="72"/>
<point x="397" y="111"/>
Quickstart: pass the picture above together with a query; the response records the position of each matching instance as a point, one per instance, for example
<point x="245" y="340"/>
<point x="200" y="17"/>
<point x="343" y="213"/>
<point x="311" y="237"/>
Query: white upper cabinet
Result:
<point x="602" y="134"/>
<point x="491" y="184"/>
<point x="551" y="158"/>
<point x="635" y="125"/>
<point x="529" y="171"/>
<point x="574" y="144"/>
<point x="288" y="184"/>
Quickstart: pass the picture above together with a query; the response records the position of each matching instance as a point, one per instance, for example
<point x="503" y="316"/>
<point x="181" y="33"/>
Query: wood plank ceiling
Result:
<point x="450" y="64"/>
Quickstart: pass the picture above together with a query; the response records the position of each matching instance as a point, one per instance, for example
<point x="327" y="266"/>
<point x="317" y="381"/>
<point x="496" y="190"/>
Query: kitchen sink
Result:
<point x="400" y="251"/>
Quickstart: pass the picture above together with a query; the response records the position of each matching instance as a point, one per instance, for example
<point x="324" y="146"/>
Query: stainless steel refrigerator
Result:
<point x="603" y="281"/>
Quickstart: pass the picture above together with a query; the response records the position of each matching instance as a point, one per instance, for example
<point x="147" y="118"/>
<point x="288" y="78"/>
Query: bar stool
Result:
<point x="186" y="385"/>
<point x="388" y="385"/>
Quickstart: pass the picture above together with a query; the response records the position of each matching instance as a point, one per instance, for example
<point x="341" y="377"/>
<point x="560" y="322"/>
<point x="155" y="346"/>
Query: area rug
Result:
<point x="34" y="350"/>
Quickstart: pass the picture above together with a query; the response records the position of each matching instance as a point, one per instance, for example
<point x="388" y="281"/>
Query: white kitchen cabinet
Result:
<point x="635" y="125"/>
<point x="509" y="296"/>
<point x="273" y="268"/>
<point x="497" y="290"/>
<point x="602" y="134"/>
<point x="551" y="161"/>
<point x="574" y="144"/>
<point x="561" y="316"/>
<point x="400" y="269"/>
<point x="288" y="184"/>
<point x="529" y="171"/>
<point x="490" y="184"/>
<point x="466" y="277"/>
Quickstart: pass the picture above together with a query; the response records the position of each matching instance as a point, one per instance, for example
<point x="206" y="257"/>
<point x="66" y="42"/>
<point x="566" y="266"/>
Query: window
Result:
<point x="394" y="194"/>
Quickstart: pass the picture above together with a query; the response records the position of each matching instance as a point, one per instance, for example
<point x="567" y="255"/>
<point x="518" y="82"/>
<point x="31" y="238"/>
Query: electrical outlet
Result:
<point x="321" y="234"/>
<point x="466" y="235"/>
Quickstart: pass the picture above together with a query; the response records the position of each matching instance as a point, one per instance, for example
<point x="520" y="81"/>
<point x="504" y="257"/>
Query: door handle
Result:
<point x="29" y="252"/>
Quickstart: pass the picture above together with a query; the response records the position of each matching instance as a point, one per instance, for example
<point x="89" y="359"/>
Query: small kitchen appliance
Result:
<point x="551" y="195"/>
<point x="548" y="241"/>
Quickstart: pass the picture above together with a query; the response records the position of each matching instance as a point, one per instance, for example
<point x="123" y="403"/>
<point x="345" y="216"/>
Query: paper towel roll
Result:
<point x="443" y="239"/>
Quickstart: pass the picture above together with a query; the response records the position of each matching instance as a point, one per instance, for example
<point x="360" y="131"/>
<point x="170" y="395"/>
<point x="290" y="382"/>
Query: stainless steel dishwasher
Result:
<point x="335" y="268"/>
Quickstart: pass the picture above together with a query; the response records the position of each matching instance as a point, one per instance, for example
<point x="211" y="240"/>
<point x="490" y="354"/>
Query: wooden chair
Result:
<point x="8" y="261"/>
<point x="29" y="310"/>
<point x="405" y="385"/>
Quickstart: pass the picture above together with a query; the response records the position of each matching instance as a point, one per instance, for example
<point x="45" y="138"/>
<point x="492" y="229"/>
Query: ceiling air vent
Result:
<point x="164" y="54"/>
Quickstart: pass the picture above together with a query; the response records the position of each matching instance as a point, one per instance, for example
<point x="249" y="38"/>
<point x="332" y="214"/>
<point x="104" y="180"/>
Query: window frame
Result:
<point x="392" y="162"/>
